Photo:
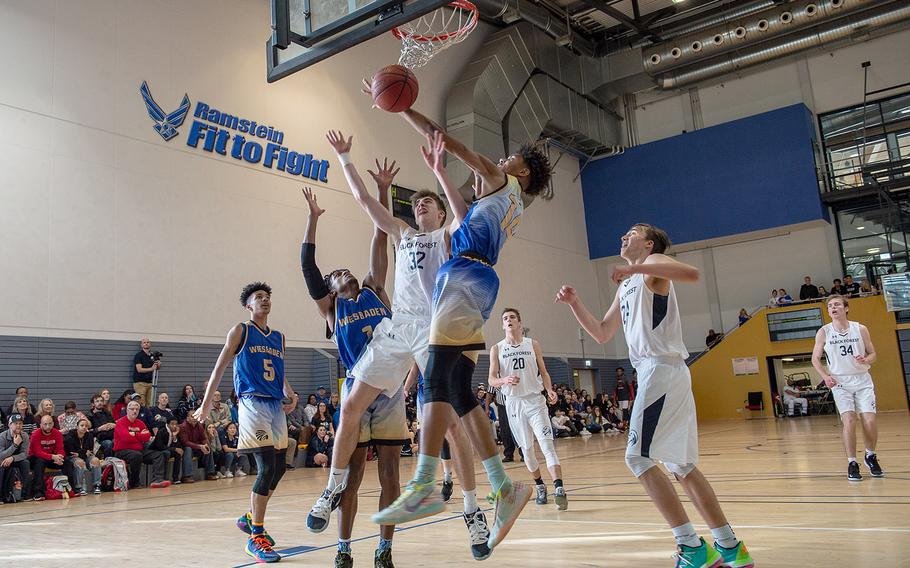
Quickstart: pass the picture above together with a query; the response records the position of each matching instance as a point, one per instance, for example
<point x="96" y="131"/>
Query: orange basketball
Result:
<point x="394" y="88"/>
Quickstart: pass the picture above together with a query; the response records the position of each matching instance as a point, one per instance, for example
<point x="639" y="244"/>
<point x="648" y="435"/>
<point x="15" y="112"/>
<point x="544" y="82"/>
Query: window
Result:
<point x="797" y="324"/>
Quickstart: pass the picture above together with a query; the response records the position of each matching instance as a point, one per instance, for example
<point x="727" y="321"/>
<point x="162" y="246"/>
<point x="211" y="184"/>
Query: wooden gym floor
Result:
<point x="782" y="483"/>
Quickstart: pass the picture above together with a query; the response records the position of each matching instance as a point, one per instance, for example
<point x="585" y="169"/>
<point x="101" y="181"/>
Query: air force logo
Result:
<point x="165" y="124"/>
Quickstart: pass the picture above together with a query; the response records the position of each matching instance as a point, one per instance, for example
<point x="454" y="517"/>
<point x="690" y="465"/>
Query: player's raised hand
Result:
<point x="384" y="173"/>
<point x="367" y="89"/>
<point x="621" y="272"/>
<point x="435" y="151"/>
<point x="315" y="210"/>
<point x="337" y="141"/>
<point x="567" y="295"/>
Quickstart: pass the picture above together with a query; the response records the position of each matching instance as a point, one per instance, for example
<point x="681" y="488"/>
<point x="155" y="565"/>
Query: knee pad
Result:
<point x="265" y="470"/>
<point x="639" y="465"/>
<point x="446" y="453"/>
<point x="549" y="452"/>
<point x="530" y="459"/>
<point x="680" y="470"/>
<point x="280" y="467"/>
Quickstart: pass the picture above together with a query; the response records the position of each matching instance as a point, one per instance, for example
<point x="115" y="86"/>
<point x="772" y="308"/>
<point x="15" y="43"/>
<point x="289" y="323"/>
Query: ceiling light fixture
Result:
<point x="873" y="250"/>
<point x="860" y="228"/>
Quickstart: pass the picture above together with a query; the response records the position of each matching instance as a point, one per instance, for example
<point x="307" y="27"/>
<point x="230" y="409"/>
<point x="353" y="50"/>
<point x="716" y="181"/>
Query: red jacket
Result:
<point x="193" y="436"/>
<point x="130" y="435"/>
<point x="44" y="446"/>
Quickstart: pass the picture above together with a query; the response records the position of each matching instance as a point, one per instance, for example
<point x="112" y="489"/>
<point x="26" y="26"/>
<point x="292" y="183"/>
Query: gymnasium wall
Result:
<point x="719" y="394"/>
<point x="111" y="233"/>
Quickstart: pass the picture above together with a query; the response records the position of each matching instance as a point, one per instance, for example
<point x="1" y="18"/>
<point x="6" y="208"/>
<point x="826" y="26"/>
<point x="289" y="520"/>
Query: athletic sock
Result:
<point x="851" y="459"/>
<point x="724" y="536"/>
<point x="557" y="483"/>
<point x="496" y="473"/>
<point x="538" y="481"/>
<point x="686" y="535"/>
<point x="344" y="545"/>
<point x="384" y="544"/>
<point x="426" y="469"/>
<point x="256" y="528"/>
<point x="470" y="501"/>
<point x="338" y="478"/>
<point x="447" y="476"/>
<point x="869" y="452"/>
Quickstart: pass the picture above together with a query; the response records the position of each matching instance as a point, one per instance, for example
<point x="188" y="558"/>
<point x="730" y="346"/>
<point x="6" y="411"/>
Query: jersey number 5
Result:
<point x="269" y="370"/>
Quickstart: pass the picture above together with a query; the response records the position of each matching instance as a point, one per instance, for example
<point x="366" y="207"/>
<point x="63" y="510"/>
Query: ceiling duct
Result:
<point x="520" y="86"/>
<point x="863" y="22"/>
<point x="509" y="11"/>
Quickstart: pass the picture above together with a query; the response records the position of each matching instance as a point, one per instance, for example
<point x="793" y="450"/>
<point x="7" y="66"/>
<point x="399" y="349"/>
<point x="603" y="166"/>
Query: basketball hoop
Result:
<point x="427" y="35"/>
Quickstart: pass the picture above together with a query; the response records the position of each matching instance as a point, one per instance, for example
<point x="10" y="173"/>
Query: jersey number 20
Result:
<point x="518" y="363"/>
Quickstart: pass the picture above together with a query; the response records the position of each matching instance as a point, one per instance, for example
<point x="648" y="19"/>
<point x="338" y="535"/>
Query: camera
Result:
<point x="157" y="355"/>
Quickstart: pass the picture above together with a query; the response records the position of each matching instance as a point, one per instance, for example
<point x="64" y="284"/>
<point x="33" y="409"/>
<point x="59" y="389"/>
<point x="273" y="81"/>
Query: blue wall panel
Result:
<point x="751" y="174"/>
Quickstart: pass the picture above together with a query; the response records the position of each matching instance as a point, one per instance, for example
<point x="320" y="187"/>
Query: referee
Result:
<point x="505" y="433"/>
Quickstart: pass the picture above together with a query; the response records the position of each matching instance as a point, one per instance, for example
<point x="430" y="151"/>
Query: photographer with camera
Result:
<point x="146" y="364"/>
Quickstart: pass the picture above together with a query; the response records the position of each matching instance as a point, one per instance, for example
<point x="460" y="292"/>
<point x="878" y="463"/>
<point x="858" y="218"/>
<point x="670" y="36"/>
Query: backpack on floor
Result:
<point x="13" y="486"/>
<point x="114" y="476"/>
<point x="57" y="487"/>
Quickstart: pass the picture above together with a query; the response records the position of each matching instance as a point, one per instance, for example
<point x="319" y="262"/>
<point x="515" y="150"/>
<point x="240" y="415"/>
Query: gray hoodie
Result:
<point x="9" y="449"/>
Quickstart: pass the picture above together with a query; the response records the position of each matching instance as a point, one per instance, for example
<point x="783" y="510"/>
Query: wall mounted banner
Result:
<point x="214" y="131"/>
<point x="745" y="366"/>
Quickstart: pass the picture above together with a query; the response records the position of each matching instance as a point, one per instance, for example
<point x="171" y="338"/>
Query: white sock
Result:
<point x="869" y="452"/>
<point x="447" y="476"/>
<point x="724" y="536"/>
<point x="338" y="478"/>
<point x="470" y="501"/>
<point x="851" y="459"/>
<point x="685" y="535"/>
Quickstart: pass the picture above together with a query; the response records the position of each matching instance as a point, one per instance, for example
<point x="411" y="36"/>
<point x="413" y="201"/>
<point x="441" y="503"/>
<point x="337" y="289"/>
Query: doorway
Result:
<point x="585" y="379"/>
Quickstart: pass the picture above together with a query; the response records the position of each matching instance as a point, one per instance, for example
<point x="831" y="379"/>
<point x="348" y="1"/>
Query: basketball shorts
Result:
<point x="462" y="301"/>
<point x="528" y="419"/>
<point x="854" y="393"/>
<point x="663" y="424"/>
<point x="385" y="421"/>
<point x="261" y="423"/>
<point x="387" y="358"/>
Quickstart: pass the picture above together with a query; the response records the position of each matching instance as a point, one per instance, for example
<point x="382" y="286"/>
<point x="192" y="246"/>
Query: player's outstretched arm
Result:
<point x="381" y="216"/>
<point x="434" y="155"/>
<point x="542" y="368"/>
<point x="315" y="283"/>
<point x="656" y="268"/>
<point x="231" y="345"/>
<point x="601" y="330"/>
<point x="379" y="251"/>
<point x="817" y="358"/>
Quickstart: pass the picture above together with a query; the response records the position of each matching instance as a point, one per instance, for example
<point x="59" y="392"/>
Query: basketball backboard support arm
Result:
<point x="337" y="36"/>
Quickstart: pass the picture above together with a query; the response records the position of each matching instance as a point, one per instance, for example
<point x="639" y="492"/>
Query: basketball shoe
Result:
<point x="259" y="548"/>
<point x="511" y="498"/>
<point x="702" y="556"/>
<point x="736" y="557"/>
<point x="417" y="501"/>
<point x="245" y="523"/>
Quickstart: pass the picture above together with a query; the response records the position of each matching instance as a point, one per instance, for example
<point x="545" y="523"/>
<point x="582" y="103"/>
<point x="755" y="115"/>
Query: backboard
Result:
<point x="304" y="32"/>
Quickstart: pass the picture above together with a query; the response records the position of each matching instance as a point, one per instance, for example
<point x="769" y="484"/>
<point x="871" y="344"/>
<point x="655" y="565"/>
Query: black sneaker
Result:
<point x="407" y="453"/>
<point x="508" y="459"/>
<point x="853" y="472"/>
<point x="479" y="533"/>
<point x="383" y="559"/>
<point x="447" y="488"/>
<point x="872" y="463"/>
<point x="344" y="560"/>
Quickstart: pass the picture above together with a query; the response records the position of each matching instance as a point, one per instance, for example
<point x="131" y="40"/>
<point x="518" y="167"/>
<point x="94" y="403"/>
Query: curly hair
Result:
<point x="251" y="289"/>
<point x="539" y="166"/>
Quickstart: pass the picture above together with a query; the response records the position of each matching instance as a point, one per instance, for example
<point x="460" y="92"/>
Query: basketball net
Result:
<point x="424" y="37"/>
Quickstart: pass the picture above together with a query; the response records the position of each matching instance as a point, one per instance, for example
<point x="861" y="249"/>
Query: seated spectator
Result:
<point x="594" y="421"/>
<point x="713" y="338"/>
<point x="866" y="289"/>
<point x="744" y="316"/>
<point x="578" y="423"/>
<point x="774" y="301"/>
<point x="808" y="291"/>
<point x="167" y="441"/>
<point x="322" y="395"/>
<point x="106" y="395"/>
<point x="783" y="298"/>
<point x="24" y="409"/>
<point x="46" y="408"/>
<point x="615" y="415"/>
<point x="850" y="286"/>
<point x="214" y="440"/>
<point x="837" y="289"/>
<point x="130" y="437"/>
<point x="323" y="418"/>
<point x="103" y="425"/>
<point x="187" y="404"/>
<point x="310" y="409"/>
<point x="45" y="449"/>
<point x="562" y="425"/>
<point x="14" y="446"/>
<point x="220" y="415"/>
<point x="822" y="292"/>
<point x="319" y="452"/>
<point x="234" y="463"/>
<point x="160" y="415"/>
<point x="299" y="432"/>
<point x="793" y="396"/>
<point x="232" y="404"/>
<point x="195" y="444"/>
<point x="334" y="405"/>
<point x="878" y="283"/>
<point x="70" y="417"/>
<point x="21" y="392"/>
<point x="79" y="444"/>
<point x="119" y="408"/>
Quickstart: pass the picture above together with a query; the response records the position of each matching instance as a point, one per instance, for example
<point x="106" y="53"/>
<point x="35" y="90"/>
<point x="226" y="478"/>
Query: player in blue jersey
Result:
<point x="351" y="313"/>
<point x="265" y="396"/>
<point x="466" y="289"/>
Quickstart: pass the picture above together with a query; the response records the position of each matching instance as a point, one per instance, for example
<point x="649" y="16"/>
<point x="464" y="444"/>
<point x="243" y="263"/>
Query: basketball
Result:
<point x="394" y="88"/>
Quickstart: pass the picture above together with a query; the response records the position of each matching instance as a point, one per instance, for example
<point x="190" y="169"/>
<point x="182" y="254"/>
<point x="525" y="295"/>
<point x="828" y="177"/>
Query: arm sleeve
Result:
<point x="311" y="274"/>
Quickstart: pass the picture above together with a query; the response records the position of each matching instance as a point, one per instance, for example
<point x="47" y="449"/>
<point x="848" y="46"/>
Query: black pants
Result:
<point x="505" y="433"/>
<point x="6" y="478"/>
<point x="38" y="466"/>
<point x="134" y="460"/>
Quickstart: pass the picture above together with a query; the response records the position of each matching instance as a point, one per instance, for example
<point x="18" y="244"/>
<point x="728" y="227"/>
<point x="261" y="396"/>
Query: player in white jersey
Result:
<point x="849" y="351"/>
<point x="518" y="368"/>
<point x="663" y="424"/>
<point x="402" y="340"/>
